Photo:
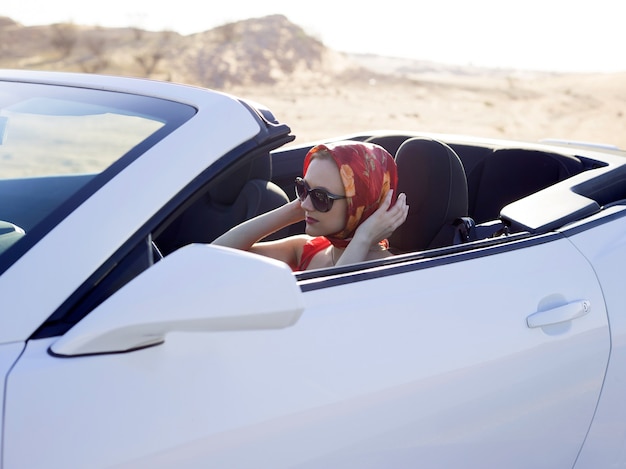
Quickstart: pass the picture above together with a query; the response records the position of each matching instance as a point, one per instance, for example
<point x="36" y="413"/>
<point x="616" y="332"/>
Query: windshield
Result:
<point x="59" y="144"/>
<point x="43" y="136"/>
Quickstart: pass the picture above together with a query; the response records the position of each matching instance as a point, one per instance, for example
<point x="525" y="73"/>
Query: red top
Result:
<point x="310" y="249"/>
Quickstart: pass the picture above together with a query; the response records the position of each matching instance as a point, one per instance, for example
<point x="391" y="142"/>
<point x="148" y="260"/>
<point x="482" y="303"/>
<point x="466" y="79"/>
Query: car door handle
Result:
<point x="564" y="313"/>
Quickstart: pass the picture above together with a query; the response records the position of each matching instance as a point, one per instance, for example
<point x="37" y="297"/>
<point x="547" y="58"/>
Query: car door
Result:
<point x="492" y="357"/>
<point x="479" y="359"/>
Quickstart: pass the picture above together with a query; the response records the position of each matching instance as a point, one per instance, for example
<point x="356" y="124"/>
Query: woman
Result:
<point x="345" y="199"/>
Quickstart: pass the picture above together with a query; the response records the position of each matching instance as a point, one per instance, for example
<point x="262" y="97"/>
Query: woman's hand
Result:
<point x="295" y="212"/>
<point x="384" y="221"/>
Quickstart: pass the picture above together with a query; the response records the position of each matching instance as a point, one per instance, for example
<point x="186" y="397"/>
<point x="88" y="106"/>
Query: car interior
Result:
<point x="455" y="189"/>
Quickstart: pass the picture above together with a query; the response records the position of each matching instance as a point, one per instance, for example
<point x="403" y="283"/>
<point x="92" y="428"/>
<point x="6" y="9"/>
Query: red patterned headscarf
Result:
<point x="367" y="171"/>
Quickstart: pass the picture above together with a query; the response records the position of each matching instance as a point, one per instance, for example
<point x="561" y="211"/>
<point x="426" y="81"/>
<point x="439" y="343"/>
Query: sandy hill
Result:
<point x="320" y="92"/>
<point x="265" y="50"/>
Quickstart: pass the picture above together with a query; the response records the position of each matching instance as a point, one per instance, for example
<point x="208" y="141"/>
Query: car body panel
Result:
<point x="603" y="245"/>
<point x="328" y="392"/>
<point x="9" y="353"/>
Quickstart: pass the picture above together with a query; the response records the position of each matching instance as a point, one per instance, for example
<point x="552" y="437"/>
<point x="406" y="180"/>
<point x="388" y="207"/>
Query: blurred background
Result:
<point x="527" y="71"/>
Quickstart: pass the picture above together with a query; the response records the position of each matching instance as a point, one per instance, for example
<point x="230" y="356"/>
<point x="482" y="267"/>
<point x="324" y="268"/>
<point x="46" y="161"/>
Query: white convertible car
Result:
<point x="495" y="338"/>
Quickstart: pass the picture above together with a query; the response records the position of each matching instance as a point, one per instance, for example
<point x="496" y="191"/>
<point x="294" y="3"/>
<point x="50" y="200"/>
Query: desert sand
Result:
<point x="518" y="106"/>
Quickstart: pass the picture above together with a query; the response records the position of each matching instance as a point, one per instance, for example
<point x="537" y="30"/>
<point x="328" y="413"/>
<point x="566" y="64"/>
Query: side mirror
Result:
<point x="196" y="288"/>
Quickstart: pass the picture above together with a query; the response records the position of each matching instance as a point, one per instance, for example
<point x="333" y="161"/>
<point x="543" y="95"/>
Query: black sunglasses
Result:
<point x="321" y="199"/>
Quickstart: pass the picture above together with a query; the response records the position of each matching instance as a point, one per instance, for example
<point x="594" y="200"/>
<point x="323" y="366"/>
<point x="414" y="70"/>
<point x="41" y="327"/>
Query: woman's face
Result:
<point x="323" y="173"/>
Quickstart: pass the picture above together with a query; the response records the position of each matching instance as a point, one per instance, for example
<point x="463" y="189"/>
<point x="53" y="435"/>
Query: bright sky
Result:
<point x="560" y="35"/>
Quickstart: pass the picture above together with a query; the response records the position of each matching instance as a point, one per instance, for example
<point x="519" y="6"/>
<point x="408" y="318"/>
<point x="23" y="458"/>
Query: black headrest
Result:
<point x="433" y="178"/>
<point x="391" y="143"/>
<point x="227" y="191"/>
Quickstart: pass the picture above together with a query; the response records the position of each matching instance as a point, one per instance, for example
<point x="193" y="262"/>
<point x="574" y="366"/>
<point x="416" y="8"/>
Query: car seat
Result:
<point x="243" y="194"/>
<point x="507" y="175"/>
<point x="432" y="176"/>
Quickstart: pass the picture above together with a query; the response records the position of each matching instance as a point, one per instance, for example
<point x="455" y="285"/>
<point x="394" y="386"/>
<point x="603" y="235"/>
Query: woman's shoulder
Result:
<point x="307" y="245"/>
<point x="309" y="250"/>
<point x="299" y="240"/>
<point x="316" y="242"/>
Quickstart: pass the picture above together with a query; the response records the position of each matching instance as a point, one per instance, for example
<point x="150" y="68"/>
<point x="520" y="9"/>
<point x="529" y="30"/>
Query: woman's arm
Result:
<point x="246" y="236"/>
<point x="380" y="225"/>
